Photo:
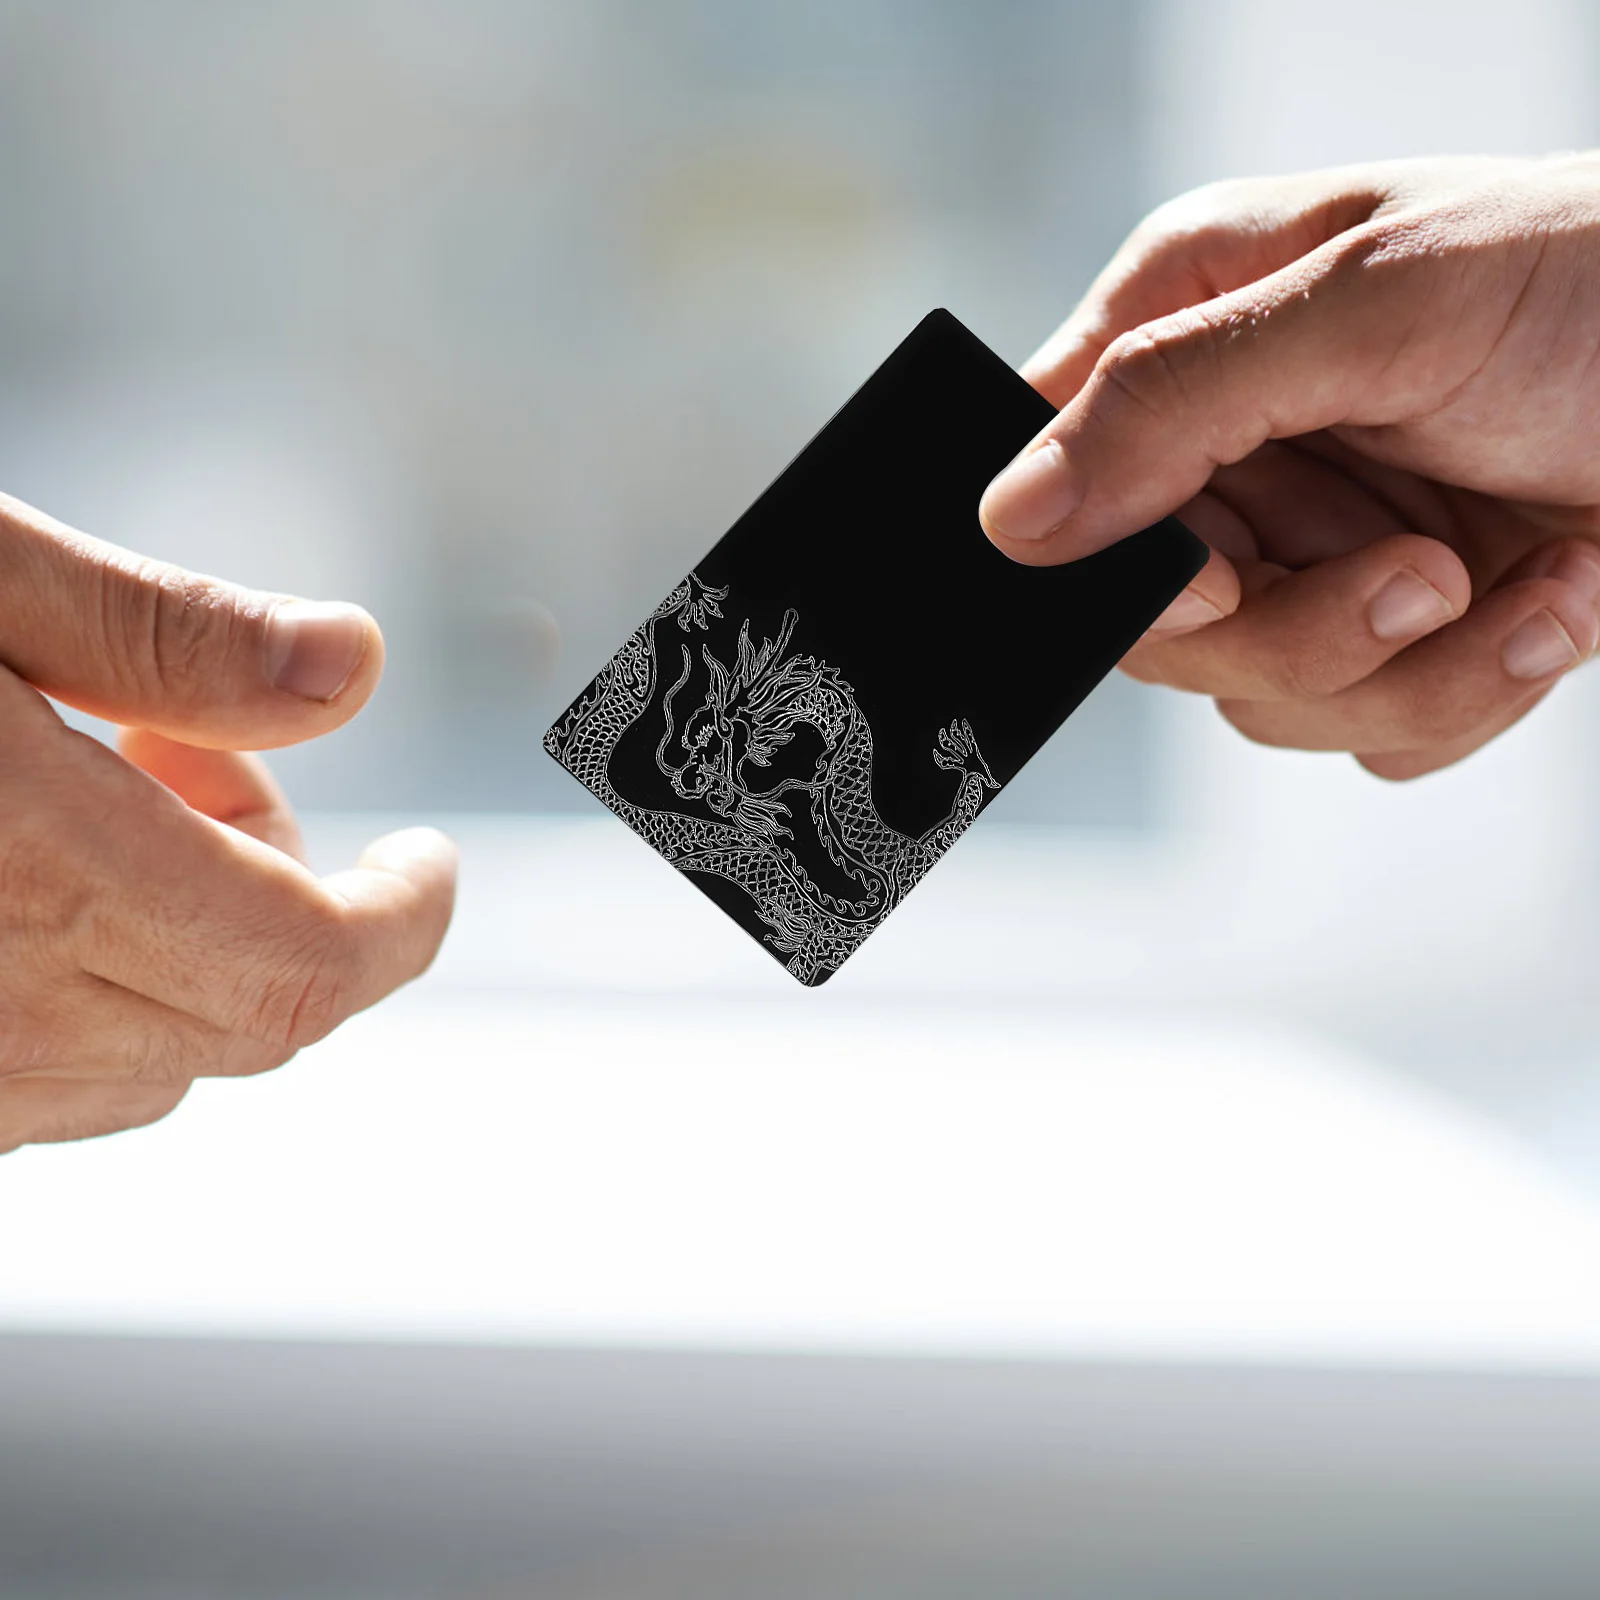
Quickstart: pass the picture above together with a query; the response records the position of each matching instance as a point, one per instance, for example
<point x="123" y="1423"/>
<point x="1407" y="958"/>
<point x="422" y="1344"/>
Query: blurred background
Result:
<point x="1194" y="1190"/>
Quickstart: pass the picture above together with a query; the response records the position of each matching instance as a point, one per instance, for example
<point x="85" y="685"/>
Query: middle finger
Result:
<point x="1514" y="641"/>
<point x="90" y="1029"/>
<point x="1313" y="633"/>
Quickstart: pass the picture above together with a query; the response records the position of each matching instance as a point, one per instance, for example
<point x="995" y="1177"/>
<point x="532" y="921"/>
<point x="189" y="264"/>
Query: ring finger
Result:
<point x="101" y="1032"/>
<point x="39" y="1110"/>
<point x="1511" y="643"/>
<point x="1312" y="633"/>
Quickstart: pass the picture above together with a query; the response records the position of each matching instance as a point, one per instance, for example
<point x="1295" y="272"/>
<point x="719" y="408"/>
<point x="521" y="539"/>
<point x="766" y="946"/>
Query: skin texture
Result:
<point x="1342" y="381"/>
<point x="157" y="923"/>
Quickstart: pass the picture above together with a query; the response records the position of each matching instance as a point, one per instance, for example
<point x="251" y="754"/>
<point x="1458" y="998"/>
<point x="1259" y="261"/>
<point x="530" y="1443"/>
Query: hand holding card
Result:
<point x="818" y="711"/>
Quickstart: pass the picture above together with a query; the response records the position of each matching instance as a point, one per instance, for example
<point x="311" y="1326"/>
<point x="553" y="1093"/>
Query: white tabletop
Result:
<point x="746" y="1163"/>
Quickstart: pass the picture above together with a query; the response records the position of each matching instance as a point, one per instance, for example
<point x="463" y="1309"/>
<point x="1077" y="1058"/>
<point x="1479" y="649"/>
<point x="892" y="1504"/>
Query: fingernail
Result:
<point x="1033" y="496"/>
<point x="1581" y="569"/>
<point x="1406" y="606"/>
<point x="1189" y="610"/>
<point x="314" y="647"/>
<point x="1539" y="647"/>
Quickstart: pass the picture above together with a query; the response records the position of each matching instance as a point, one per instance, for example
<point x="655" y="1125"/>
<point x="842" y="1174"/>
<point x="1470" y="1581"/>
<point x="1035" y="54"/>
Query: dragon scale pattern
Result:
<point x="751" y="710"/>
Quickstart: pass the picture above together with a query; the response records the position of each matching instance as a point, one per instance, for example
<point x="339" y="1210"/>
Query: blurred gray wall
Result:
<point x="493" y="316"/>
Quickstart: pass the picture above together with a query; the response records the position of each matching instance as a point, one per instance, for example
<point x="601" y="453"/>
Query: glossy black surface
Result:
<point x="870" y="541"/>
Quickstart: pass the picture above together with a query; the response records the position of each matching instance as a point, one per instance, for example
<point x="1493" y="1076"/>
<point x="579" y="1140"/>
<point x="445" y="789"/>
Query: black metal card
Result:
<point x="818" y="711"/>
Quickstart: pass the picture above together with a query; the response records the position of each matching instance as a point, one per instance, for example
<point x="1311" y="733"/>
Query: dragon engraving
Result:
<point x="754" y="705"/>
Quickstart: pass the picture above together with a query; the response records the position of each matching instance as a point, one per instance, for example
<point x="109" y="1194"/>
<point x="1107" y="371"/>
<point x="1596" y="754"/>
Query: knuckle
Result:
<point x="174" y="629"/>
<point x="311" y="992"/>
<point x="1306" y="672"/>
<point x="1380" y="248"/>
<point x="46" y="898"/>
<point x="1198" y="213"/>
<point x="1142" y="368"/>
<point x="155" y="1059"/>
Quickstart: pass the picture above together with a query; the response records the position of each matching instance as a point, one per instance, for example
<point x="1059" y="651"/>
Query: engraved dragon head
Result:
<point x="751" y="710"/>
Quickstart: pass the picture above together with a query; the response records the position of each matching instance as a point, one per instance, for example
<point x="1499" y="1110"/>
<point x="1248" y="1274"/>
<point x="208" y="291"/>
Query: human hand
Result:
<point x="1373" y="392"/>
<point x="156" y="921"/>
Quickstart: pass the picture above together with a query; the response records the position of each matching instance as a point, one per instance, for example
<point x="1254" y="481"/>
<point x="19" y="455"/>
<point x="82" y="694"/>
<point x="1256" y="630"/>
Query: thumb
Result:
<point x="1307" y="347"/>
<point x="190" y="657"/>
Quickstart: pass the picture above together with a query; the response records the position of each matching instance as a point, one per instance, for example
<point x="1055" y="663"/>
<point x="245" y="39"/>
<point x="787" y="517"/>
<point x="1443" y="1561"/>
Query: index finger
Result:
<point x="212" y="922"/>
<point x="1194" y="248"/>
<point x="149" y="644"/>
<point x="1315" y="632"/>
